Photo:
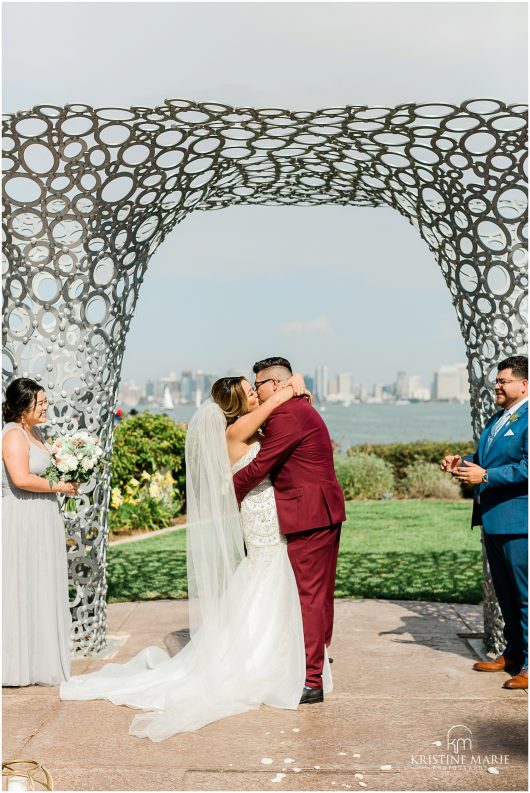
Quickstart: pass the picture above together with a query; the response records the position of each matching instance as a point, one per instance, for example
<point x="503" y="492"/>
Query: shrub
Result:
<point x="148" y="473"/>
<point x="148" y="443"/>
<point x="364" y="476"/>
<point x="148" y="513"/>
<point x="425" y="480"/>
<point x="402" y="455"/>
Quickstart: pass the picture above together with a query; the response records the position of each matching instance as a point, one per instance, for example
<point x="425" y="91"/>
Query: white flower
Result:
<point x="67" y="463"/>
<point x="71" y="461"/>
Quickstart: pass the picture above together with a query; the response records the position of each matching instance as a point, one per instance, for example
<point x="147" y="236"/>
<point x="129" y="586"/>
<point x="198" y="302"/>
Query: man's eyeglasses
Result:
<point x="505" y="382"/>
<point x="262" y="382"/>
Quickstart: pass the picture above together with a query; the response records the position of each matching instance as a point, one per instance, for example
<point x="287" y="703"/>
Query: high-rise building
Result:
<point x="333" y="388"/>
<point x="402" y="385"/>
<point x="130" y="394"/>
<point x="378" y="392"/>
<point x="363" y="392"/>
<point x="463" y="382"/>
<point x="451" y="382"/>
<point x="321" y="383"/>
<point x="344" y="383"/>
<point x="187" y="387"/>
<point x="149" y="389"/>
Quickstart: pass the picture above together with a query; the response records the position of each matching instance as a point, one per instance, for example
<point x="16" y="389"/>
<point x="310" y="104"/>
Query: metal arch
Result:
<point x="89" y="194"/>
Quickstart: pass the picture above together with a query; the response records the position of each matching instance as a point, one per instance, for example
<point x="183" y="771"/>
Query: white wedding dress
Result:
<point x="248" y="651"/>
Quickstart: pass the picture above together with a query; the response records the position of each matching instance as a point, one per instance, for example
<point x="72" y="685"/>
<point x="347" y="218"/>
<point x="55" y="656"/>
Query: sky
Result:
<point x="351" y="287"/>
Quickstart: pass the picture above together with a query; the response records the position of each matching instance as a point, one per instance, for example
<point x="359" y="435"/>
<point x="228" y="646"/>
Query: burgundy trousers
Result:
<point x="313" y="556"/>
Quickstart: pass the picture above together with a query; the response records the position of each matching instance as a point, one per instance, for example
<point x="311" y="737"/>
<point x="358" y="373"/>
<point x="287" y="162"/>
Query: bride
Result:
<point x="247" y="643"/>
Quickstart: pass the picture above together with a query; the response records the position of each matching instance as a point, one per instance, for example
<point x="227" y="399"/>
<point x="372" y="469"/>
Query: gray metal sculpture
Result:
<point x="91" y="193"/>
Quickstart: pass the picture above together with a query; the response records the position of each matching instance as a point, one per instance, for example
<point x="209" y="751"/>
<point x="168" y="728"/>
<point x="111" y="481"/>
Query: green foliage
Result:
<point x="147" y="513"/>
<point x="425" y="480"/>
<point x="149" y="443"/>
<point x="364" y="476"/>
<point x="402" y="455"/>
<point x="403" y="550"/>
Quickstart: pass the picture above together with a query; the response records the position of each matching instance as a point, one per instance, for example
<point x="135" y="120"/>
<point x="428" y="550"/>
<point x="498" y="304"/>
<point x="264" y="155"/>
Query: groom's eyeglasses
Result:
<point x="262" y="382"/>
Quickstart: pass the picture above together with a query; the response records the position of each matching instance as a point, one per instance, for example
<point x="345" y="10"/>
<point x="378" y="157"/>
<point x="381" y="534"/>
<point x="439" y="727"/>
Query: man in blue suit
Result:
<point x="499" y="469"/>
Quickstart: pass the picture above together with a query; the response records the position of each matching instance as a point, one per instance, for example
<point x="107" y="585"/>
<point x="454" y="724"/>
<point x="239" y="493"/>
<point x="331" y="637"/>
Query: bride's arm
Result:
<point x="246" y="426"/>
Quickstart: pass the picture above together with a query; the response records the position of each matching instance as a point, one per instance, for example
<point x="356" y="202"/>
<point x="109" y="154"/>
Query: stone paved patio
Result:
<point x="402" y="679"/>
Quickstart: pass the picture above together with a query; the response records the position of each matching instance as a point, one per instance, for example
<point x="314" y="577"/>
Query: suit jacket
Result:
<point x="296" y="451"/>
<point x="502" y="506"/>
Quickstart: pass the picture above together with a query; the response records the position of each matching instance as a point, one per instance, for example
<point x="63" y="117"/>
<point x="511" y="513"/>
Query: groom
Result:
<point x="296" y="451"/>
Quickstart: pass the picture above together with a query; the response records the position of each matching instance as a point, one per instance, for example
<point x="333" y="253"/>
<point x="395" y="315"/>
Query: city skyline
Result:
<point x="449" y="382"/>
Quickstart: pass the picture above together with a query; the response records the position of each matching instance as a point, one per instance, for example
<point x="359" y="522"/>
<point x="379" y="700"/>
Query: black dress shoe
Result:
<point x="311" y="696"/>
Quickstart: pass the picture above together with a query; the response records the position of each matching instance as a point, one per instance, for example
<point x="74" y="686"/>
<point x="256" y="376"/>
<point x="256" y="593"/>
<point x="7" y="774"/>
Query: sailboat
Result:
<point x="167" y="399"/>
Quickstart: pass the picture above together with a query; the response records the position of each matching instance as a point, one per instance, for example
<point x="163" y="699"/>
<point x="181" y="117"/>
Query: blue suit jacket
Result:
<point x="503" y="507"/>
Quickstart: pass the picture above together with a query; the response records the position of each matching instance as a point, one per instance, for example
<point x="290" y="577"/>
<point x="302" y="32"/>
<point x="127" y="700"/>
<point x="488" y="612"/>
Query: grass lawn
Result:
<point x="411" y="550"/>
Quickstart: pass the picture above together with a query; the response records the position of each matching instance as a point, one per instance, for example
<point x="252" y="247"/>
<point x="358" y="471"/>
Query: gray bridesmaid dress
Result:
<point x="35" y="615"/>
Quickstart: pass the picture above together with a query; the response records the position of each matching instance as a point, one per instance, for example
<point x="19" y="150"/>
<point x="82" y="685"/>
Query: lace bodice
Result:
<point x="258" y="509"/>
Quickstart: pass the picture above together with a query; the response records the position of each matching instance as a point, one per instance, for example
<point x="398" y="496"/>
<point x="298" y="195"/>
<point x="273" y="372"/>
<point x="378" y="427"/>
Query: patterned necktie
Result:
<point x="495" y="429"/>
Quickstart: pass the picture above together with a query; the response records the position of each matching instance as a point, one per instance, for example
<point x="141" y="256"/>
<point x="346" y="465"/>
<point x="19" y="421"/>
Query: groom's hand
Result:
<point x="450" y="463"/>
<point x="470" y="473"/>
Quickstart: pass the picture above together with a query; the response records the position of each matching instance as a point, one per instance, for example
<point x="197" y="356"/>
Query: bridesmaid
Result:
<point x="35" y="614"/>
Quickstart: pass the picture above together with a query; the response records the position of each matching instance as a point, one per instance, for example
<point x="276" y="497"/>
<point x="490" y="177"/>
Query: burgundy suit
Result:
<point x="296" y="451"/>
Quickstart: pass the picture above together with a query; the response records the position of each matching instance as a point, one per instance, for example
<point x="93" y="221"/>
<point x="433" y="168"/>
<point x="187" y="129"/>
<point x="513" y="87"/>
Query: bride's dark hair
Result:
<point x="228" y="393"/>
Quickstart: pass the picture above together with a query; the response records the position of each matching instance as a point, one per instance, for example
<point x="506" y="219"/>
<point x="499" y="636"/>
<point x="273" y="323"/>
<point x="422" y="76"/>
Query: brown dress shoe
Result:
<point x="519" y="681"/>
<point x="500" y="664"/>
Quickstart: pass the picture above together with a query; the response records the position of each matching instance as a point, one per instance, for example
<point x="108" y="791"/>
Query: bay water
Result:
<point x="385" y="423"/>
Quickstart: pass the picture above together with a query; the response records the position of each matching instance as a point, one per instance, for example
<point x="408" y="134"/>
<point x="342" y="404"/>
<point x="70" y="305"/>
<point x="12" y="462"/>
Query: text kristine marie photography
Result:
<point x="459" y="752"/>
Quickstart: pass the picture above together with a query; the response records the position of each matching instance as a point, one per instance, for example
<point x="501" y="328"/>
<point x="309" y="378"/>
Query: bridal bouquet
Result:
<point x="74" y="459"/>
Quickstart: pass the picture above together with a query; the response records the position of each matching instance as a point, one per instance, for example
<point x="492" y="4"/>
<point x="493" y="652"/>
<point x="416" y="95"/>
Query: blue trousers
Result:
<point x="508" y="560"/>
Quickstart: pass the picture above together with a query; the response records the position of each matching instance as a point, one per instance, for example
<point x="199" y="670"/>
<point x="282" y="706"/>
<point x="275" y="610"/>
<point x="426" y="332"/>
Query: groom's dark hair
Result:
<point x="266" y="363"/>
<point x="517" y="363"/>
